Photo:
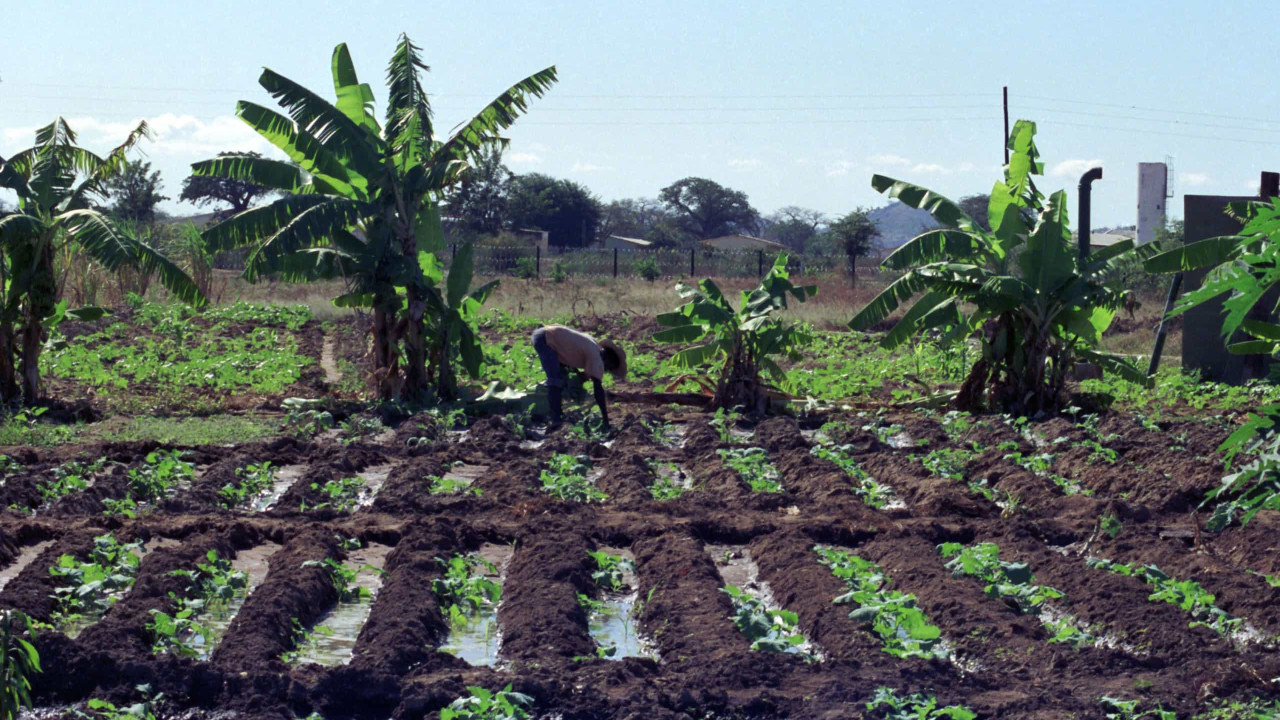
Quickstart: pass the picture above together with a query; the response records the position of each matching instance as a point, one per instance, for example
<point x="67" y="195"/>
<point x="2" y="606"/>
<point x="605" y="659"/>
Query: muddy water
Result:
<point x="478" y="640"/>
<point x="285" y="477"/>
<point x="334" y="636"/>
<point x="374" y="477"/>
<point x="252" y="562"/>
<point x="614" y="625"/>
<point x="25" y="557"/>
<point x="73" y="628"/>
<point x="737" y="568"/>
<point x="466" y="474"/>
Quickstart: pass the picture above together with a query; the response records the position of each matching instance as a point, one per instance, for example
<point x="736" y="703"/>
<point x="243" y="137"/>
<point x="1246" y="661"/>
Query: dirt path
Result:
<point x="329" y="363"/>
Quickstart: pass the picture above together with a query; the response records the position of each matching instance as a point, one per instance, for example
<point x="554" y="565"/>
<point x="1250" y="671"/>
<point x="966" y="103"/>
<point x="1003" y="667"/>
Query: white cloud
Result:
<point x="524" y="158"/>
<point x="965" y="167"/>
<point x="1193" y="179"/>
<point x="933" y="168"/>
<point x="173" y="135"/>
<point x="888" y="160"/>
<point x="744" y="163"/>
<point x="1074" y="168"/>
<point x="587" y="167"/>
<point x="839" y="167"/>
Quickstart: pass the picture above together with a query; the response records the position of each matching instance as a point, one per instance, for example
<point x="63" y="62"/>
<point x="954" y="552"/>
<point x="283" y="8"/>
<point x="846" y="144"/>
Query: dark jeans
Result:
<point x="550" y="361"/>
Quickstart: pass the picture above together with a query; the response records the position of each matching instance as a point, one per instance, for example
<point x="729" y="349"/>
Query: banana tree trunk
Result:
<point x="8" y="371"/>
<point x="416" y="384"/>
<point x="385" y="371"/>
<point x="30" y="369"/>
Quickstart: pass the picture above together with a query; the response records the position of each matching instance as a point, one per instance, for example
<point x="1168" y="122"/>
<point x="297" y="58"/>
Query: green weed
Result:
<point x="753" y="466"/>
<point x="565" y="478"/>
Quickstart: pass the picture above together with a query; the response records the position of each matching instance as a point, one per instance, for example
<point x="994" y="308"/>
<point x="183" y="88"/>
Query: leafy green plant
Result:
<point x="768" y="630"/>
<point x="565" y="478"/>
<point x="466" y="589"/>
<point x="724" y="422"/>
<point x="482" y="704"/>
<point x="948" y="462"/>
<point x="1010" y="581"/>
<point x="1009" y="502"/>
<point x="647" y="268"/>
<point x="1110" y="525"/>
<point x="342" y="494"/>
<point x="19" y="660"/>
<point x="1041" y="464"/>
<point x="742" y="341"/>
<point x="667" y="485"/>
<point x="179" y="631"/>
<point x="303" y="639"/>
<point x="91" y="587"/>
<point x="916" y="707"/>
<point x="304" y="419"/>
<point x="1186" y="594"/>
<point x="344" y="579"/>
<point x="1032" y="324"/>
<point x="892" y="614"/>
<point x="1117" y="709"/>
<point x="359" y="429"/>
<point x="251" y="481"/>
<point x="72" y="477"/>
<point x="753" y="465"/>
<point x="865" y="487"/>
<point x="611" y="570"/>
<point x="214" y="582"/>
<point x="142" y="710"/>
<point x="449" y="486"/>
<point x="160" y="472"/>
<point x="1253" y="487"/>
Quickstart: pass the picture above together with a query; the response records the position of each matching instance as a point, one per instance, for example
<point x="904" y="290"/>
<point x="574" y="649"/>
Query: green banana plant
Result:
<point x="1035" y="311"/>
<point x="742" y="341"/>
<point x="57" y="183"/>
<point x="453" y="316"/>
<point x="362" y="200"/>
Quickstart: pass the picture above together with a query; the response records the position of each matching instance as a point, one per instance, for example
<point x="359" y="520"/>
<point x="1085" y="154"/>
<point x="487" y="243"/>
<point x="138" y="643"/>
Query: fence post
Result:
<point x="759" y="263"/>
<point x="537" y="261"/>
<point x="615" y="262"/>
<point x="691" y="272"/>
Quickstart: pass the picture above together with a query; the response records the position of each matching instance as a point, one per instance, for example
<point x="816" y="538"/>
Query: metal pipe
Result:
<point x="1084" y="234"/>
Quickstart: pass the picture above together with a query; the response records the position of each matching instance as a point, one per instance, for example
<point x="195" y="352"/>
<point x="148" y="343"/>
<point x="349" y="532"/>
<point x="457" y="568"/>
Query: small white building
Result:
<point x="1153" y="179"/>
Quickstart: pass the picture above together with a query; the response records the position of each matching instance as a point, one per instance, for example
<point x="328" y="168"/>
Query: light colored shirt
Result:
<point x="576" y="350"/>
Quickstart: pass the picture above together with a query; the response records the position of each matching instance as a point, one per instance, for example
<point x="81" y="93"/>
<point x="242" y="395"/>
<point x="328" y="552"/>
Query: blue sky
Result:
<point x="795" y="103"/>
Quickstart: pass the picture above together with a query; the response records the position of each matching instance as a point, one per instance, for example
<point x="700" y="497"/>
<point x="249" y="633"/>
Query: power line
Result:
<point x="1145" y="131"/>
<point x="1152" y="109"/>
<point x="1188" y="123"/>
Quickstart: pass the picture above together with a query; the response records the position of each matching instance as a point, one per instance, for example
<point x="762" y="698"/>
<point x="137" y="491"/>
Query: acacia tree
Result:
<point x="239" y="194"/>
<point x="57" y="183"/>
<point x="479" y="202"/>
<point x="135" y="192"/>
<point x="707" y="209"/>
<point x="363" y="199"/>
<point x="855" y="233"/>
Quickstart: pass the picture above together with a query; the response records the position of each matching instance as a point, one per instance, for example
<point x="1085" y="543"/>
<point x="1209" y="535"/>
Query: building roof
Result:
<point x="1106" y="239"/>
<point x="632" y="241"/>
<point x="738" y="241"/>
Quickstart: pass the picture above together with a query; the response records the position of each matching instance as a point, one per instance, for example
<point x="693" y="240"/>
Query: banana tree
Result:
<point x="57" y="183"/>
<point x="1034" y="317"/>
<point x="742" y="341"/>
<point x="452" y="328"/>
<point x="361" y="199"/>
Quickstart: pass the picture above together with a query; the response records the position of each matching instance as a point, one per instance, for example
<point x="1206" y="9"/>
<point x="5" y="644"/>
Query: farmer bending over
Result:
<point x="558" y="345"/>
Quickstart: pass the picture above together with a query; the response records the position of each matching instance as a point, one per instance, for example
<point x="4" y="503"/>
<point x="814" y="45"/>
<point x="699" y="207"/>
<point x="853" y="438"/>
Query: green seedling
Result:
<point x="466" y="588"/>
<point x="70" y="478"/>
<point x="19" y="661"/>
<point x="611" y="570"/>
<point x="903" y="628"/>
<point x="450" y="486"/>
<point x="211" y="586"/>
<point x="1009" y="502"/>
<point x="1188" y="595"/>
<point x="948" y="462"/>
<point x="160" y="472"/>
<point x="483" y="704"/>
<point x="666" y="486"/>
<point x="1041" y="465"/>
<point x="753" y="466"/>
<point x="724" y="423"/>
<point x="303" y="640"/>
<point x="344" y="579"/>
<point x="143" y="710"/>
<point x="251" y="481"/>
<point x="359" y="429"/>
<point x="90" y="588"/>
<point x="767" y="630"/>
<point x="342" y="495"/>
<point x="1110" y="525"/>
<point x="1117" y="709"/>
<point x="915" y="707"/>
<point x="865" y="487"/>
<point x="565" y="478"/>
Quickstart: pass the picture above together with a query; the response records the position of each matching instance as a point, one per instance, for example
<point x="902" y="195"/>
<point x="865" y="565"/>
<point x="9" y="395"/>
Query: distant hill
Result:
<point x="899" y="223"/>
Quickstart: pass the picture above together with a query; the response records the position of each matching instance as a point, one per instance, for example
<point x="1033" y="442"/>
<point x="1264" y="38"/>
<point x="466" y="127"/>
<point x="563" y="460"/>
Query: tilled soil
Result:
<point x="1003" y="663"/>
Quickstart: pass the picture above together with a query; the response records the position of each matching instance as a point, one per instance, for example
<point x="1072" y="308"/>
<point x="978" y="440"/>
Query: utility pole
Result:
<point x="1005" y="140"/>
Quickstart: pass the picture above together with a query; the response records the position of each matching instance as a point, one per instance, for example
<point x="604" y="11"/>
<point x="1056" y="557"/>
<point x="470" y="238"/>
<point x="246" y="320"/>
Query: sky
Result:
<point x="794" y="103"/>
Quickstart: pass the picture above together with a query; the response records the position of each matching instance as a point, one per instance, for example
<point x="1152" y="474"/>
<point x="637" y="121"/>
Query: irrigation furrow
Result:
<point x="24" y="557"/>
<point x="739" y="570"/>
<point x="253" y="562"/>
<point x="343" y="622"/>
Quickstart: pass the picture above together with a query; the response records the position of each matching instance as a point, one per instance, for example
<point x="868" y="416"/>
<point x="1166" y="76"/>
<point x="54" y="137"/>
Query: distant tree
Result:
<point x="975" y="206"/>
<point x="135" y="192"/>
<point x="707" y="209"/>
<point x="643" y="218"/>
<point x="1172" y="234"/>
<point x="565" y="209"/>
<point x="855" y="233"/>
<point x="794" y="226"/>
<point x="480" y="201"/>
<point x="239" y="194"/>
